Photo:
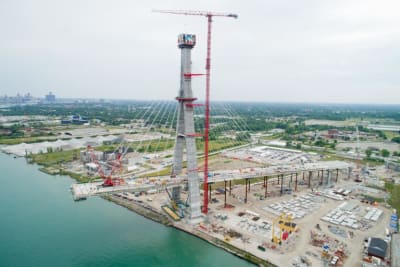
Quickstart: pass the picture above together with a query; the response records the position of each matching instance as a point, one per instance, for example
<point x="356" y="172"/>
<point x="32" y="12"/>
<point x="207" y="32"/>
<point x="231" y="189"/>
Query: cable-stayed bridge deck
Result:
<point x="81" y="191"/>
<point x="277" y="170"/>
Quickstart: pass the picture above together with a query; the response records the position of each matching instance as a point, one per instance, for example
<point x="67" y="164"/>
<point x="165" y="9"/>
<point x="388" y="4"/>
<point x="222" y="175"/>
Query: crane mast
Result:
<point x="209" y="16"/>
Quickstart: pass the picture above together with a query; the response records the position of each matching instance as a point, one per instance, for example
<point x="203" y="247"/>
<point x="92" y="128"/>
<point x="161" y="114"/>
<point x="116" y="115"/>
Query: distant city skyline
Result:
<point x="277" y="51"/>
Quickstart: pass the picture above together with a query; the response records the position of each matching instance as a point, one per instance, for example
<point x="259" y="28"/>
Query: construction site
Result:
<point x="200" y="133"/>
<point x="262" y="216"/>
<point x="271" y="206"/>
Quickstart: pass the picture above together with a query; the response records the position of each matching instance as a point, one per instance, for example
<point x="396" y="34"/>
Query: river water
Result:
<point x="40" y="225"/>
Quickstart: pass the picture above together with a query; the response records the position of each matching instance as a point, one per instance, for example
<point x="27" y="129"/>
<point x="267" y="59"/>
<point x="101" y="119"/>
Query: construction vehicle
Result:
<point x="277" y="239"/>
<point x="286" y="223"/>
<point x="286" y="227"/>
<point x="176" y="203"/>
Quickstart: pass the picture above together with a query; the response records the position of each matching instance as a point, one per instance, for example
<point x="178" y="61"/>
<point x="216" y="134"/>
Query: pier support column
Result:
<point x="225" y="194"/>
<point x="249" y="183"/>
<point x="185" y="137"/>
<point x="322" y="177"/>
<point x="209" y="190"/>
<point x="303" y="175"/>
<point x="295" y="185"/>
<point x="245" y="196"/>
<point x="291" y="181"/>
<point x="266" y="186"/>
<point x="329" y="178"/>
<point x="309" y="179"/>
<point x="282" y="185"/>
<point x="337" y="175"/>
<point x="230" y="187"/>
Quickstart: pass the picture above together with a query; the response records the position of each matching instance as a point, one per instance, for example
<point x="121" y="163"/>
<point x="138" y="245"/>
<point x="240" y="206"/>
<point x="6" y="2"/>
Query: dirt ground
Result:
<point x="221" y="163"/>
<point x="299" y="242"/>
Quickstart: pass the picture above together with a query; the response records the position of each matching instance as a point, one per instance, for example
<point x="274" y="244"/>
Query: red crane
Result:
<point x="108" y="180"/>
<point x="209" y="16"/>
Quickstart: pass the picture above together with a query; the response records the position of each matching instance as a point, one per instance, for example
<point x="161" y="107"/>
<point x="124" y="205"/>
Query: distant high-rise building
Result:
<point x="27" y="97"/>
<point x="50" y="97"/>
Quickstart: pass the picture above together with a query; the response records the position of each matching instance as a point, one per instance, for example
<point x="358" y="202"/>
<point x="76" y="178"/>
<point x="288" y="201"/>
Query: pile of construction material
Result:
<point x="373" y="214"/>
<point x="338" y="231"/>
<point x="341" y="191"/>
<point x="348" y="215"/>
<point x="329" y="194"/>
<point x="343" y="215"/>
<point x="297" y="207"/>
<point x="245" y="221"/>
<point x="332" y="248"/>
<point x="261" y="228"/>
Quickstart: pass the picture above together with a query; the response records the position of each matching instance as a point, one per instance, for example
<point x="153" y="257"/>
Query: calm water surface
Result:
<point x="40" y="225"/>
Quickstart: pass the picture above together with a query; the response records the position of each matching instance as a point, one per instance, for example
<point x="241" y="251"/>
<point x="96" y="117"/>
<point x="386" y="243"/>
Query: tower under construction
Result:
<point x="185" y="133"/>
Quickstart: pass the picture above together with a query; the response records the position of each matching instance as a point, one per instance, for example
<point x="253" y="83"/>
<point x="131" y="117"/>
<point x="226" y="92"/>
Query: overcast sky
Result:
<point x="341" y="51"/>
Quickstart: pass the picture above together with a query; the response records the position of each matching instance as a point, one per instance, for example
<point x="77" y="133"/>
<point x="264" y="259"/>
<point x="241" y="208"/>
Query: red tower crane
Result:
<point x="209" y="16"/>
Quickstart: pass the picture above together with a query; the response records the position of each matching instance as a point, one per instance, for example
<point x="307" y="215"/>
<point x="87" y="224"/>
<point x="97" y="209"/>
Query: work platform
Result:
<point x="82" y="191"/>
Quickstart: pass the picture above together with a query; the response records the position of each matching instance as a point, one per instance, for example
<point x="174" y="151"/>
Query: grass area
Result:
<point x="272" y="137"/>
<point x="328" y="157"/>
<point x="164" y="172"/>
<point x="394" y="199"/>
<point x="77" y="177"/>
<point x="152" y="145"/>
<point x="372" y="162"/>
<point x="54" y="158"/>
<point x="52" y="164"/>
<point x="19" y="140"/>
<point x="145" y="146"/>
<point x="390" y="134"/>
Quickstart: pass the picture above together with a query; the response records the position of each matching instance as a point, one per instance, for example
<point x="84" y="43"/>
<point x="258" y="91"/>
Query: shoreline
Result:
<point x="158" y="217"/>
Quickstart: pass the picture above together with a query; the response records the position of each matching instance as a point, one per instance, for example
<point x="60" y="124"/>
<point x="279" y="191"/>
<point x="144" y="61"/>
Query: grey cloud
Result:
<point x="294" y="51"/>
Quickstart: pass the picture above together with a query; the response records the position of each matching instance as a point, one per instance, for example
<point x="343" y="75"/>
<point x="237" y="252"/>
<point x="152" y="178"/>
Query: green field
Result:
<point x="394" y="199"/>
<point x="54" y="158"/>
